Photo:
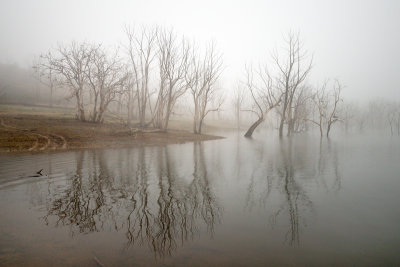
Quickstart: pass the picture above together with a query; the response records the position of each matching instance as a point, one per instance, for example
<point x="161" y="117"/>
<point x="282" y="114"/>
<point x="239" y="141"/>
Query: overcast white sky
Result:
<point x="356" y="41"/>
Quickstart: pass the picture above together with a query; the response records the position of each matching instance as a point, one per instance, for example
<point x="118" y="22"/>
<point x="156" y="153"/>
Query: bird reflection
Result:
<point x="143" y="195"/>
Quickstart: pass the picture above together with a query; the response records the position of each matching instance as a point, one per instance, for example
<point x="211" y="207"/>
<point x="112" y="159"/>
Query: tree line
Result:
<point x="282" y="86"/>
<point x="155" y="68"/>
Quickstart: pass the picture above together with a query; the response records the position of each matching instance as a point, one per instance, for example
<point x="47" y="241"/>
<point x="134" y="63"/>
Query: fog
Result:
<point x="207" y="133"/>
<point x="355" y="41"/>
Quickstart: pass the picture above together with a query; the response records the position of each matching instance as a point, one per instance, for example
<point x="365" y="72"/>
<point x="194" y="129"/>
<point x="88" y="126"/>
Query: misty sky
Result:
<point x="356" y="41"/>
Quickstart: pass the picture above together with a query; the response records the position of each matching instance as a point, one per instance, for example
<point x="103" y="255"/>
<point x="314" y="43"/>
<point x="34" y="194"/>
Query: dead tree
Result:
<point x="237" y="102"/>
<point x="349" y="115"/>
<point x="320" y="106"/>
<point x="327" y="104"/>
<point x="293" y="70"/>
<point x="393" y="117"/>
<point x="70" y="63"/>
<point x="173" y="59"/>
<point x="334" y="102"/>
<point x="2" y="91"/>
<point x="202" y="78"/>
<point x="141" y="50"/>
<point x="302" y="108"/>
<point x="106" y="78"/>
<point x="263" y="93"/>
<point x="47" y="77"/>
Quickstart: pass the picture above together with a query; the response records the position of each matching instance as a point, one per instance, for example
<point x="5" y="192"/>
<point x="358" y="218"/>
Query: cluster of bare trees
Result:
<point x="326" y="108"/>
<point x="378" y="115"/>
<point x="286" y="91"/>
<point x="156" y="69"/>
<point x="92" y="76"/>
<point x="393" y="117"/>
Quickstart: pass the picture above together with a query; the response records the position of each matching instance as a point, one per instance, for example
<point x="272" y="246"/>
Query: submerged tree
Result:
<point x="334" y="105"/>
<point x="238" y="101"/>
<point x="293" y="70"/>
<point x="263" y="93"/>
<point x="393" y="117"/>
<point x="320" y="105"/>
<point x="327" y="104"/>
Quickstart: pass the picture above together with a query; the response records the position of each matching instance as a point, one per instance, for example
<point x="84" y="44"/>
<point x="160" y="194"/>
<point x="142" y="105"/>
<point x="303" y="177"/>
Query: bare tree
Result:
<point x="238" y="101"/>
<point x="2" y="90"/>
<point x="334" y="102"/>
<point x="321" y="105"/>
<point x="264" y="95"/>
<point x="174" y="60"/>
<point x="70" y="63"/>
<point x="141" y="50"/>
<point x="293" y="70"/>
<point x="106" y="78"/>
<point x="393" y="117"/>
<point x="202" y="79"/>
<point x="327" y="104"/>
<point x="130" y="93"/>
<point x="302" y="108"/>
<point x="47" y="77"/>
<point x="349" y="115"/>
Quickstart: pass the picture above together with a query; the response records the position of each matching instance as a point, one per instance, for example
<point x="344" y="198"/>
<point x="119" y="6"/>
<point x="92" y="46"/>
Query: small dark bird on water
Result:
<point x="38" y="173"/>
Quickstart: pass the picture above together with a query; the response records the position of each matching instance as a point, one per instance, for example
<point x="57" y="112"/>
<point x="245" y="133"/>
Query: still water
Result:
<point x="230" y="202"/>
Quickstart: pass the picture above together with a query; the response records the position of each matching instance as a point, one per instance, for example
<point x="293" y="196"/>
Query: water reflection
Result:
<point x="282" y="173"/>
<point x="237" y="201"/>
<point x="143" y="194"/>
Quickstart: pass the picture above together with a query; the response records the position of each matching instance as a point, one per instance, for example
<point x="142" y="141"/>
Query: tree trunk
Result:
<point x="283" y="118"/>
<point x="250" y="131"/>
<point x="398" y="125"/>
<point x="196" y="117"/>
<point x="281" y="126"/>
<point x="81" y="110"/>
<point x="328" y="130"/>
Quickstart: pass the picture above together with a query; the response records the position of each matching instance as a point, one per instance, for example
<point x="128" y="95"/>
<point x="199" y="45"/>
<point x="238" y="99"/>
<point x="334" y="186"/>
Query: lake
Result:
<point x="232" y="202"/>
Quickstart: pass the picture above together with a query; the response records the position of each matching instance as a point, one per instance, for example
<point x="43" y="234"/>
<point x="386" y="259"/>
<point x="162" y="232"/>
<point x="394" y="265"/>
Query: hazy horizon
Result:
<point x="354" y="41"/>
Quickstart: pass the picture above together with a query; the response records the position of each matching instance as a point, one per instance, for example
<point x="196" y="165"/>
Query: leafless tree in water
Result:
<point x="320" y="100"/>
<point x="293" y="70"/>
<point x="263" y="93"/>
<point x="238" y="102"/>
<point x="334" y="101"/>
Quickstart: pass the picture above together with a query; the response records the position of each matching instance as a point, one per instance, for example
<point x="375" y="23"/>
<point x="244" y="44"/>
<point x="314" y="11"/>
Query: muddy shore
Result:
<point x="38" y="132"/>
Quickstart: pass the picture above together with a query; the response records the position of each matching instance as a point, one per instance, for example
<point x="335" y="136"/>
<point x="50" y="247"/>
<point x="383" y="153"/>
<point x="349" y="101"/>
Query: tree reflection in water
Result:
<point x="142" y="195"/>
<point x="285" y="173"/>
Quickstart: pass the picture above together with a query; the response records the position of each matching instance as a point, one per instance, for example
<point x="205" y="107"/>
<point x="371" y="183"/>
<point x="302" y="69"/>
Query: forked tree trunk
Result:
<point x="328" y="130"/>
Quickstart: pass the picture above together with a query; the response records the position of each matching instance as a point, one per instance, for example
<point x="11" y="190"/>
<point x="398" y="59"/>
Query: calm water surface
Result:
<point x="232" y="202"/>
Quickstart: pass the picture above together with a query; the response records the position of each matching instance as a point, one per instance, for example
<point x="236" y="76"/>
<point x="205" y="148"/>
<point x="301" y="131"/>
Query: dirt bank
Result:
<point x="38" y="132"/>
